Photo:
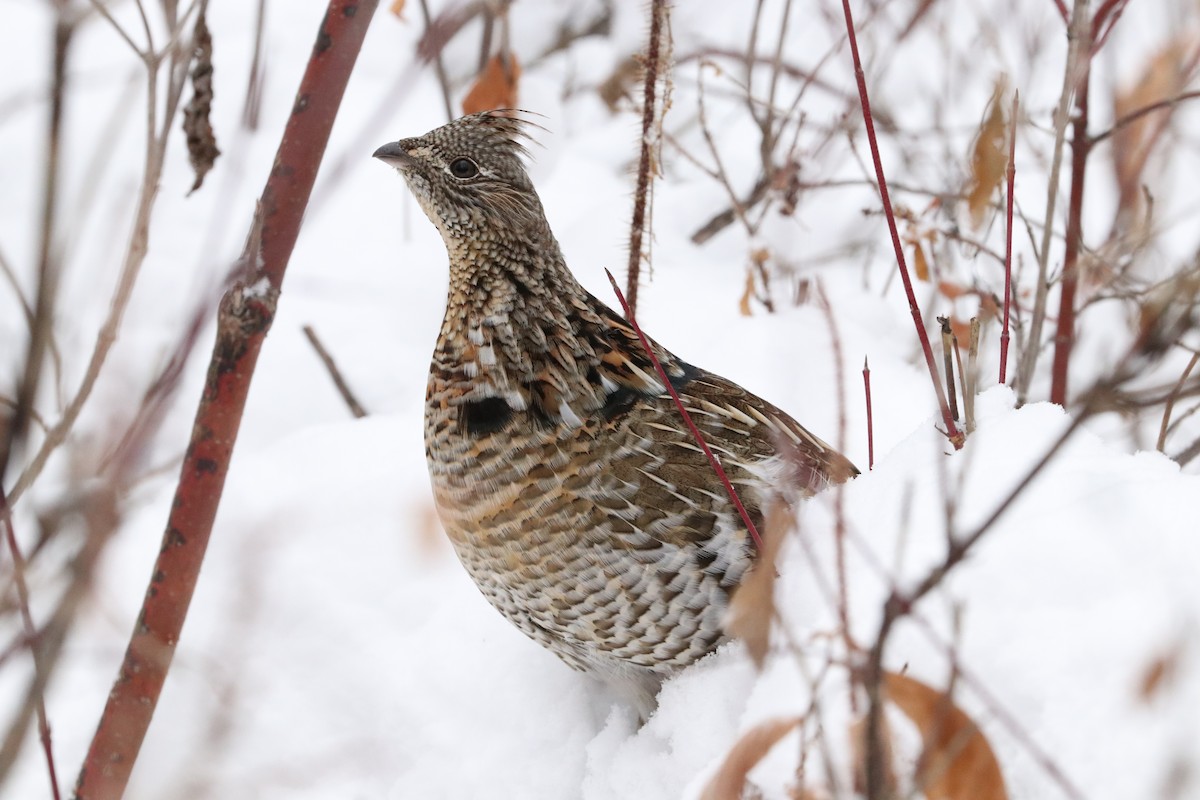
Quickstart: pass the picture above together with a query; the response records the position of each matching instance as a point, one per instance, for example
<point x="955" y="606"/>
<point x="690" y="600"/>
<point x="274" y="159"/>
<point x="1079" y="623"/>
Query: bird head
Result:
<point x="468" y="175"/>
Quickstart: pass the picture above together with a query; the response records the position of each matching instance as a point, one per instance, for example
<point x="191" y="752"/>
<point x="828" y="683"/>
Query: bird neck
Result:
<point x="514" y="311"/>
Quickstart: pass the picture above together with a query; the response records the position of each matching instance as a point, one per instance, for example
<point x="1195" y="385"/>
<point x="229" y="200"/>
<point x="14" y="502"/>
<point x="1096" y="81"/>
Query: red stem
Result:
<point x="1064" y="336"/>
<point x="951" y="429"/>
<point x="870" y="419"/>
<point x="687" y="418"/>
<point x="243" y="321"/>
<point x="1012" y="177"/>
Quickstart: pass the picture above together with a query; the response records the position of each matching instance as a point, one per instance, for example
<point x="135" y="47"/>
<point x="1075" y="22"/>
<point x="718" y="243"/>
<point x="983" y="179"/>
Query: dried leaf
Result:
<point x="753" y="604"/>
<point x="730" y="779"/>
<point x="1160" y="672"/>
<point x="920" y="265"/>
<point x="989" y="157"/>
<point x="1163" y="78"/>
<point x="201" y="141"/>
<point x="747" y="295"/>
<point x="496" y="86"/>
<point x="619" y="85"/>
<point x="957" y="763"/>
<point x="397" y="8"/>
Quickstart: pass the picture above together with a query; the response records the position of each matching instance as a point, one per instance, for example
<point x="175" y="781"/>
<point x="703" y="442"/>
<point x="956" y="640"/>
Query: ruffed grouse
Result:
<point x="563" y="472"/>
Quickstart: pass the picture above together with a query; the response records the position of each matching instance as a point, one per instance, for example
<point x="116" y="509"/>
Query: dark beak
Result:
<point x="392" y="153"/>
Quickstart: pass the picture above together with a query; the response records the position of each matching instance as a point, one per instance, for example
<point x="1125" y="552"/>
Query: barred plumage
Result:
<point x="563" y="473"/>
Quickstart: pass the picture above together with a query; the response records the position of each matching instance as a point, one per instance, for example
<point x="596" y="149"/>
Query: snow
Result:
<point x="335" y="648"/>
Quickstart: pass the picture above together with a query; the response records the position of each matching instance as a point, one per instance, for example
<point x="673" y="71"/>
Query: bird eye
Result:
<point x="463" y="168"/>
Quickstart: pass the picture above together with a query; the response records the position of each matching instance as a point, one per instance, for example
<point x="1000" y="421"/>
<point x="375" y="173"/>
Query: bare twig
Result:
<point x="36" y="696"/>
<point x="245" y="316"/>
<point x="839" y="528"/>
<point x="1170" y="406"/>
<point x="336" y="374"/>
<point x="971" y="375"/>
<point x="1134" y="116"/>
<point x="439" y="64"/>
<point x="948" y="363"/>
<point x="157" y="136"/>
<point x="952" y="431"/>
<point x="658" y="12"/>
<point x="687" y="418"/>
<point x="870" y="417"/>
<point x="1008" y="228"/>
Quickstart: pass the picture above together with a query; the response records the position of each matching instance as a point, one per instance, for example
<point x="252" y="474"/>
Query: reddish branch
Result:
<point x="952" y="431"/>
<point x="870" y="418"/>
<point x="244" y="318"/>
<point x="637" y="228"/>
<point x="1012" y="177"/>
<point x="1064" y="337"/>
<point x="687" y="418"/>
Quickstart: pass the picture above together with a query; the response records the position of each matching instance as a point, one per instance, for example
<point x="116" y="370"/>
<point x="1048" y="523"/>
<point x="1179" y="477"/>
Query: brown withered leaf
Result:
<point x="201" y="141"/>
<point x="1163" y="78"/>
<point x="627" y="74"/>
<point x="989" y="156"/>
<point x="920" y="264"/>
<point x="753" y="604"/>
<point x="496" y="86"/>
<point x="956" y="763"/>
<point x="747" y="295"/>
<point x="730" y="779"/>
<point x="1160" y="672"/>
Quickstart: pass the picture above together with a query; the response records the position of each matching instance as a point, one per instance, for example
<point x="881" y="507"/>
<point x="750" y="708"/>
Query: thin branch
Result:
<point x="1064" y="337"/>
<point x="839" y="528"/>
<point x="870" y="417"/>
<point x="658" y="10"/>
<point x="1170" y="407"/>
<point x="687" y="418"/>
<point x="36" y="695"/>
<point x="103" y="10"/>
<point x="439" y="65"/>
<point x="135" y="256"/>
<point x="1011" y="177"/>
<point x="1134" y="116"/>
<point x="336" y="374"/>
<point x="952" y="432"/>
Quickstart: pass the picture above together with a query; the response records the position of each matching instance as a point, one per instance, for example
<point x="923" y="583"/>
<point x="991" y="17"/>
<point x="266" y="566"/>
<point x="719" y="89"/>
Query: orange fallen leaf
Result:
<point x="496" y="86"/>
<point x="920" y="264"/>
<point x="730" y="778"/>
<point x="753" y="605"/>
<point x="1165" y="76"/>
<point x="747" y="295"/>
<point x="956" y="762"/>
<point x="989" y="157"/>
<point x="1160" y="672"/>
